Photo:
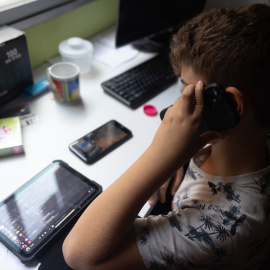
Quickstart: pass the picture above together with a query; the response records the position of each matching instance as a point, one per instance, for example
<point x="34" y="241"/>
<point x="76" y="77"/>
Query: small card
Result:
<point x="10" y="136"/>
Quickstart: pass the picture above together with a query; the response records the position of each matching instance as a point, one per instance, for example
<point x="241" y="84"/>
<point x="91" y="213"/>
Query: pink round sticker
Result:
<point x="150" y="110"/>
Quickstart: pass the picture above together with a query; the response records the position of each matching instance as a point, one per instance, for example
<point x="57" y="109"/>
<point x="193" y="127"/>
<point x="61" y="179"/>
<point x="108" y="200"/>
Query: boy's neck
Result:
<point x="236" y="155"/>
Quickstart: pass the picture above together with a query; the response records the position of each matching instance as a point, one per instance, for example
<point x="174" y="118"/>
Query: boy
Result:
<point x="221" y="211"/>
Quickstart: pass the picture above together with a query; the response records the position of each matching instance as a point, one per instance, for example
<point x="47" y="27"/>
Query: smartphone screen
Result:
<point x="100" y="141"/>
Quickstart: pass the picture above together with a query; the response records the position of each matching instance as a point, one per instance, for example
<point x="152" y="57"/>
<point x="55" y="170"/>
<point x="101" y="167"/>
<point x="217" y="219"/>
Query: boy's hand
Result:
<point x="161" y="192"/>
<point x="178" y="137"/>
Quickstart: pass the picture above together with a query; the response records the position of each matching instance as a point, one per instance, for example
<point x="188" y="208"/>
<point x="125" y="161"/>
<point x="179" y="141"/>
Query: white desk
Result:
<point x="59" y="125"/>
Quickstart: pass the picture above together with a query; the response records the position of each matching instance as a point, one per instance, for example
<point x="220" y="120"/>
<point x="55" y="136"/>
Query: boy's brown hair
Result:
<point x="230" y="47"/>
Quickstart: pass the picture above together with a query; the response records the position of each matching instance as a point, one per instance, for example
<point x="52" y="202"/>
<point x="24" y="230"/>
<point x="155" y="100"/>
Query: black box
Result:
<point x="15" y="68"/>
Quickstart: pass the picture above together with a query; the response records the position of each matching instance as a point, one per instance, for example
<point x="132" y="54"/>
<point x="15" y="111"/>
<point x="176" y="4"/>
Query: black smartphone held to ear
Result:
<point x="219" y="109"/>
<point x="100" y="141"/>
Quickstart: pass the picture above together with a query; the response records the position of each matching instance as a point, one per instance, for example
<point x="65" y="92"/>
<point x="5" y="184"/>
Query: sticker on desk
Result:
<point x="29" y="120"/>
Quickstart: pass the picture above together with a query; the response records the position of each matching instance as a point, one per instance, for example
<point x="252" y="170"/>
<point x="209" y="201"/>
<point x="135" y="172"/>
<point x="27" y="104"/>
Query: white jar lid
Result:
<point x="75" y="47"/>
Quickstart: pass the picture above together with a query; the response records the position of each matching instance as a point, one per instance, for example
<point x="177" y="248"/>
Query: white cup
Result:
<point x="64" y="81"/>
<point x="78" y="51"/>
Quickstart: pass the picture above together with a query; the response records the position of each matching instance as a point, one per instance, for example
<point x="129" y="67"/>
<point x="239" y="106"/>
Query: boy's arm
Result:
<point x="104" y="237"/>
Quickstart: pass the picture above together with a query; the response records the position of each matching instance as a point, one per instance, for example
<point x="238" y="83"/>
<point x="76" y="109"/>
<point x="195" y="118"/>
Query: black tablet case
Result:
<point x="52" y="256"/>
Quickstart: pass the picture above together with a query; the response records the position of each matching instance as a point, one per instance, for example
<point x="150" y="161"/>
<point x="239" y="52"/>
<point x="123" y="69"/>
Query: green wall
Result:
<point x="84" y="22"/>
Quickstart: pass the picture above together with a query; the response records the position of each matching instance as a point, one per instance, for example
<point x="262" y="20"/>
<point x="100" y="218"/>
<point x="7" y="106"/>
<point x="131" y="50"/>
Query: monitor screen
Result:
<point x="150" y="23"/>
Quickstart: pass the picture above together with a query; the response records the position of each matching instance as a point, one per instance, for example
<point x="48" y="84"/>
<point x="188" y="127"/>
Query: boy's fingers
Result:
<point x="162" y="192"/>
<point x="177" y="180"/>
<point x="152" y="199"/>
<point x="198" y="97"/>
<point x="185" y="102"/>
<point x="159" y="194"/>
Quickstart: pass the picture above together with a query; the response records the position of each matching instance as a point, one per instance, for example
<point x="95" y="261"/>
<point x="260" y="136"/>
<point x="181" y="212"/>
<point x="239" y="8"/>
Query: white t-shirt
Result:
<point x="216" y="223"/>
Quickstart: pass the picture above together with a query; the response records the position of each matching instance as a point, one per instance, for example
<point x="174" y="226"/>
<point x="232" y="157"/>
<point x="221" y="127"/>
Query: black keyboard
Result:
<point x="138" y="84"/>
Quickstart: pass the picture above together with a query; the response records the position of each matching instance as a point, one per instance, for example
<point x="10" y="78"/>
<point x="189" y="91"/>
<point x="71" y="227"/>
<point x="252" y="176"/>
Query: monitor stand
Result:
<point x="156" y="43"/>
<point x="147" y="45"/>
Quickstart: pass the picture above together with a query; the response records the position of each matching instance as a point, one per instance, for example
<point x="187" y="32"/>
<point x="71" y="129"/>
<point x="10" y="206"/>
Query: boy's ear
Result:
<point x="238" y="97"/>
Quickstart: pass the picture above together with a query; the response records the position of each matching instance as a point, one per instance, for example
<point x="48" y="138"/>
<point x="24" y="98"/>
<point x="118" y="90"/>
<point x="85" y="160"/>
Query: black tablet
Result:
<point x="34" y="214"/>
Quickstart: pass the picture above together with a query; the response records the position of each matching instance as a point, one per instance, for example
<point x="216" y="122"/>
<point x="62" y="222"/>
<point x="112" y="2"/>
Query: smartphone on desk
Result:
<point x="100" y="141"/>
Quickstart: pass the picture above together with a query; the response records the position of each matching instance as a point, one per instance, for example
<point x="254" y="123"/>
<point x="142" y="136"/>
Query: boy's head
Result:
<point x="230" y="47"/>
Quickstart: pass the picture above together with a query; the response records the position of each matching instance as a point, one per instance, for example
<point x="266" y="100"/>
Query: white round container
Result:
<point x="78" y="51"/>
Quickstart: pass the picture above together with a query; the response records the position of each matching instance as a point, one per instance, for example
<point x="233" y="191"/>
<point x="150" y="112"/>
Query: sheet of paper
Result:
<point x="111" y="56"/>
<point x="8" y="261"/>
<point x="105" y="51"/>
<point x="3" y="256"/>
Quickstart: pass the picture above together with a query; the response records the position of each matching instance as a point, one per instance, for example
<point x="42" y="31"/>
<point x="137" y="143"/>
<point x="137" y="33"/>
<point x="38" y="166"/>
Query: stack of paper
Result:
<point x="105" y="51"/>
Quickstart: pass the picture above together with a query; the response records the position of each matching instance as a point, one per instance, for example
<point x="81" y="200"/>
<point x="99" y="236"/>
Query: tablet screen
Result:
<point x="39" y="208"/>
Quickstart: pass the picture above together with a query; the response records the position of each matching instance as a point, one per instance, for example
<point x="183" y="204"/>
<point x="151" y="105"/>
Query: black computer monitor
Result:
<point x="149" y="24"/>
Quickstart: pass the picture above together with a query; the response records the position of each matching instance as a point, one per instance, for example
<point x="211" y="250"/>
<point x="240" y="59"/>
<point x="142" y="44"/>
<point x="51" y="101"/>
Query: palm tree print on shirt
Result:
<point x="264" y="183"/>
<point x="227" y="189"/>
<point x="193" y="174"/>
<point x="144" y="234"/>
